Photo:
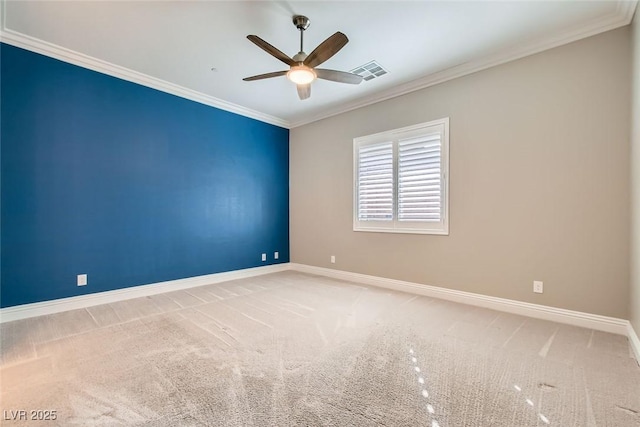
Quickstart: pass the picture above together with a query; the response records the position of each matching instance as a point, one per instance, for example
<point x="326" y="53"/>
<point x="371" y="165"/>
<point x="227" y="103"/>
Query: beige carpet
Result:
<point x="293" y="349"/>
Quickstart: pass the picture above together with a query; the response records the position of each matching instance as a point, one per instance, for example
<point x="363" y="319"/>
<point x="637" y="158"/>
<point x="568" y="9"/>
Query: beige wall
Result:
<point x="635" y="179"/>
<point x="539" y="182"/>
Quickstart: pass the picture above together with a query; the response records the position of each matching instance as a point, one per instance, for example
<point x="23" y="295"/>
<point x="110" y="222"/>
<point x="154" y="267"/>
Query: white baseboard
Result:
<point x="634" y="341"/>
<point x="82" y="301"/>
<point x="576" y="318"/>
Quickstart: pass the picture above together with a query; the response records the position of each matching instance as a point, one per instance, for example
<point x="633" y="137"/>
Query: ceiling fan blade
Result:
<point x="304" y="91"/>
<point x="338" y="76"/>
<point x="326" y="49"/>
<point x="265" y="76"/>
<point x="271" y="50"/>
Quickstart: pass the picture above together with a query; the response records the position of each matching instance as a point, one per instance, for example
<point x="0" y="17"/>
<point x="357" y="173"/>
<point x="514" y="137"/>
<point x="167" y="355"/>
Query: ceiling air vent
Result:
<point x="370" y="70"/>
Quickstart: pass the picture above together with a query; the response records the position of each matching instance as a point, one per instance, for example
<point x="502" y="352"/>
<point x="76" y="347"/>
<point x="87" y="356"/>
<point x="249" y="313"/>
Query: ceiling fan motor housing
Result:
<point x="299" y="57"/>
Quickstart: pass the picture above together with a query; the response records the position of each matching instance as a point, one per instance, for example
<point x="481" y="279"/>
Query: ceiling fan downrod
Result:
<point x="302" y="23"/>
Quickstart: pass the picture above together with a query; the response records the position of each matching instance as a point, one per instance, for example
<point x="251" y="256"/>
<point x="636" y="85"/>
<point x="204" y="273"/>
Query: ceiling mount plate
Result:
<point x="301" y="22"/>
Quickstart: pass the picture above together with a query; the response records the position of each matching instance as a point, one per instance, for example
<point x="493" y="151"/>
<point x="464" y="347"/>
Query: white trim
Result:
<point x="634" y="341"/>
<point x="395" y="137"/>
<point x="627" y="9"/>
<point x="33" y="44"/>
<point x="576" y="318"/>
<point x="570" y="317"/>
<point x="82" y="301"/>
<point x="623" y="16"/>
<point x="371" y="229"/>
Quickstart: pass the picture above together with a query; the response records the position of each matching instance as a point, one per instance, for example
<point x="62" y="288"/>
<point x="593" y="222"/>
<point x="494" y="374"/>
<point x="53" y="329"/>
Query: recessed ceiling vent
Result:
<point x="370" y="70"/>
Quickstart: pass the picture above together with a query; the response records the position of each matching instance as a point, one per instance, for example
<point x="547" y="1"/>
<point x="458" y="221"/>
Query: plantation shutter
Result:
<point x="420" y="178"/>
<point x="375" y="182"/>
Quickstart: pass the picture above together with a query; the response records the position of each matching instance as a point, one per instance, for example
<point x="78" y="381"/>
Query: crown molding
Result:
<point x="626" y="9"/>
<point x="621" y="17"/>
<point x="33" y="44"/>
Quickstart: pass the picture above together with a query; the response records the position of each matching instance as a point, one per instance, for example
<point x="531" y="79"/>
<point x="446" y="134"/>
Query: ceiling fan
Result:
<point x="302" y="69"/>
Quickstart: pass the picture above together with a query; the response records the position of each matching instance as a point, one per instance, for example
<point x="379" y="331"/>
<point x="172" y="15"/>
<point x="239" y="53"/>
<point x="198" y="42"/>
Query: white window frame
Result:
<point x="395" y="135"/>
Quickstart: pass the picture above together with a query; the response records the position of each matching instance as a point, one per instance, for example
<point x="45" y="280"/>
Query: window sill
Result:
<point x="401" y="231"/>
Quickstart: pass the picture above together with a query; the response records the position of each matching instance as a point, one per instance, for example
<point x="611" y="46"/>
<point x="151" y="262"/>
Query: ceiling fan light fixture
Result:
<point x="301" y="74"/>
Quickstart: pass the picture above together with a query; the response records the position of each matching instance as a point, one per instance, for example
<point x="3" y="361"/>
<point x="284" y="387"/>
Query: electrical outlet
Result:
<point x="333" y="259"/>
<point x="537" y="287"/>
<point x="276" y="255"/>
<point x="82" y="279"/>
<point x="264" y="257"/>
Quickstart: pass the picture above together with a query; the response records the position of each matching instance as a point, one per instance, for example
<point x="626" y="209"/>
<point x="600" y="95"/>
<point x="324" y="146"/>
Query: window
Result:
<point x="401" y="180"/>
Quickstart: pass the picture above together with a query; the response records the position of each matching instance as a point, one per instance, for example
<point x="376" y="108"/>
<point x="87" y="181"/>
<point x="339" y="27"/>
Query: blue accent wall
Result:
<point x="128" y="184"/>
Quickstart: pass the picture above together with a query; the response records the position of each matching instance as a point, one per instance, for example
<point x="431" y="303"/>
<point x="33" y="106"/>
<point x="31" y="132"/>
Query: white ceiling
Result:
<point x="172" y="45"/>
